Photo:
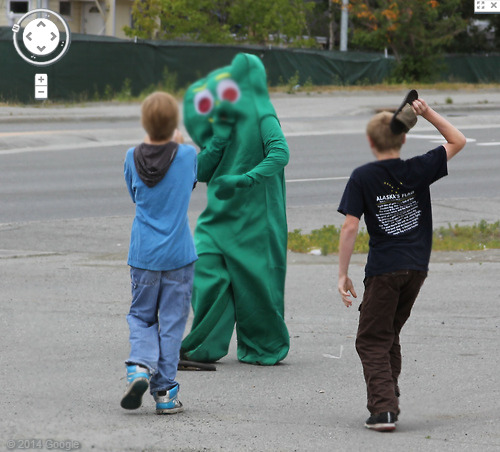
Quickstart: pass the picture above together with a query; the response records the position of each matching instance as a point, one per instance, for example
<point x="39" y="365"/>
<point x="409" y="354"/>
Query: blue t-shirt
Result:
<point x="161" y="239"/>
<point x="395" y="198"/>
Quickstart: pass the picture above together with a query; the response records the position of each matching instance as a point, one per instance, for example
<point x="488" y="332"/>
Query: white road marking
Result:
<point x="66" y="147"/>
<point x="317" y="179"/>
<point x="129" y="143"/>
<point x="327" y="355"/>
<point x="425" y="137"/>
<point x="436" y="138"/>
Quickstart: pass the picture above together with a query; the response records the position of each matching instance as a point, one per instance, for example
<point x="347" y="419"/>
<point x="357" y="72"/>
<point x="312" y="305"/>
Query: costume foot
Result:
<point x="185" y="364"/>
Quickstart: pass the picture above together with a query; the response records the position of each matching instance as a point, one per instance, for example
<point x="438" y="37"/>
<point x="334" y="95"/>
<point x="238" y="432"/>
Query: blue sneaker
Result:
<point x="138" y="383"/>
<point x="167" y="401"/>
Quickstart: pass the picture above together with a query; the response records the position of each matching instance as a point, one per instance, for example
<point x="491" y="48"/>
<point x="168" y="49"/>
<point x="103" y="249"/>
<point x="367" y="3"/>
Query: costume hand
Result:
<point x="228" y="184"/>
<point x="223" y="122"/>
<point x="346" y="289"/>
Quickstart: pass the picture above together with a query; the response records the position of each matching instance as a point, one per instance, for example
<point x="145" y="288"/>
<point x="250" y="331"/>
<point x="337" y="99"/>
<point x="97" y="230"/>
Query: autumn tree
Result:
<point x="415" y="31"/>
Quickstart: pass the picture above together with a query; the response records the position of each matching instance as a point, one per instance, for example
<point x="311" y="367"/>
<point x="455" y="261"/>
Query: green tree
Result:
<point x="195" y="20"/>
<point x="221" y="21"/>
<point x="416" y="32"/>
<point x="256" y="20"/>
<point x="145" y="18"/>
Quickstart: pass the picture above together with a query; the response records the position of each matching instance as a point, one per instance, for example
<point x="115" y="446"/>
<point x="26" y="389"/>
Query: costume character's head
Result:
<point x="237" y="92"/>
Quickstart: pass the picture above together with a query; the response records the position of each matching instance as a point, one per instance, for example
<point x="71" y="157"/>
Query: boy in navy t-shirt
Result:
<point x="394" y="196"/>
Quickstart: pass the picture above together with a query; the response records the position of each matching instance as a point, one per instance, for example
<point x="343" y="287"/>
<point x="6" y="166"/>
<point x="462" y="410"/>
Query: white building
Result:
<point x="93" y="17"/>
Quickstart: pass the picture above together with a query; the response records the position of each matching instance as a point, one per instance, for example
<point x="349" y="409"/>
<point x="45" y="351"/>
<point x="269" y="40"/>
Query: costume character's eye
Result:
<point x="229" y="90"/>
<point x="203" y="102"/>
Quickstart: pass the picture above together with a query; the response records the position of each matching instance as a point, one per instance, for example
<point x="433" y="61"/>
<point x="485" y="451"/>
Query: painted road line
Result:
<point x="492" y="143"/>
<point x="317" y="179"/>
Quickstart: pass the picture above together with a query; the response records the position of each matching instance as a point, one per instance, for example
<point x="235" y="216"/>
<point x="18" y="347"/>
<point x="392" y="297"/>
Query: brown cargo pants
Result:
<point x="387" y="303"/>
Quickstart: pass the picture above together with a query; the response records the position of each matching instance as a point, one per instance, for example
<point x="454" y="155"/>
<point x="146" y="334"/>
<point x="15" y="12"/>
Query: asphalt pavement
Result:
<point x="65" y="294"/>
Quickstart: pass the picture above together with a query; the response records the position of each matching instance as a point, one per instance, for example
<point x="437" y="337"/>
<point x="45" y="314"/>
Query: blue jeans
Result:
<point x="157" y="319"/>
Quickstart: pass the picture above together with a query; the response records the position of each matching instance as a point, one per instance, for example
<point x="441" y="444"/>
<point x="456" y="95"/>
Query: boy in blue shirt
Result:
<point x="160" y="175"/>
<point x="394" y="196"/>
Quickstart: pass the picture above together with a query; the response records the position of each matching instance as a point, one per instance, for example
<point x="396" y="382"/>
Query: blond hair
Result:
<point x="379" y="130"/>
<point x="160" y="115"/>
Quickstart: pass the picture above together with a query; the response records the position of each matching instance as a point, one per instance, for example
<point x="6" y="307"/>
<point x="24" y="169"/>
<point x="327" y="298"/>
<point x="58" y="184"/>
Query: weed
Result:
<point x="308" y="85"/>
<point x="293" y="83"/>
<point x="108" y="93"/>
<point x="125" y="94"/>
<point x="480" y="236"/>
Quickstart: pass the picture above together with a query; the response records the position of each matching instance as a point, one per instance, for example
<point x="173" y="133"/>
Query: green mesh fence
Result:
<point x="96" y="67"/>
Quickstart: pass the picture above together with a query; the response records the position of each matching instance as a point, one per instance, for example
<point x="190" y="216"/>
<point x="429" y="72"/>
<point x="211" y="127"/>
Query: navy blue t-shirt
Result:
<point x="394" y="196"/>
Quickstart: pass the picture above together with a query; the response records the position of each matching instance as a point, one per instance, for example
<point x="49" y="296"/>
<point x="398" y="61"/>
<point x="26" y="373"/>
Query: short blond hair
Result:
<point x="379" y="130"/>
<point x="160" y="115"/>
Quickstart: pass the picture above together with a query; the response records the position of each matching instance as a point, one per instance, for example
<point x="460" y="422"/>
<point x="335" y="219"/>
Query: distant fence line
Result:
<point x="96" y="66"/>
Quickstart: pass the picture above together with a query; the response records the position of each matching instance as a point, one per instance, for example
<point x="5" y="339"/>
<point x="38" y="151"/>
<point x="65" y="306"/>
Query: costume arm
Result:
<point x="209" y="158"/>
<point x="276" y="157"/>
<point x="275" y="149"/>
<point x="348" y="235"/>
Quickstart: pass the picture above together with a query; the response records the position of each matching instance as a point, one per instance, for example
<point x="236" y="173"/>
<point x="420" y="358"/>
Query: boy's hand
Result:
<point x="420" y="107"/>
<point x="346" y="289"/>
<point x="178" y="138"/>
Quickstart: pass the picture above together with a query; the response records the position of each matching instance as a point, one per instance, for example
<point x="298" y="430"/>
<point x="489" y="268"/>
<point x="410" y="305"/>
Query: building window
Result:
<point x="65" y="8"/>
<point x="18" y="7"/>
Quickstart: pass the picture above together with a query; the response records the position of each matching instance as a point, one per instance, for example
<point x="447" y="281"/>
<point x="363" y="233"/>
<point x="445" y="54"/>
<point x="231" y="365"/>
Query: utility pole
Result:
<point x="344" y="25"/>
<point x="331" y="25"/>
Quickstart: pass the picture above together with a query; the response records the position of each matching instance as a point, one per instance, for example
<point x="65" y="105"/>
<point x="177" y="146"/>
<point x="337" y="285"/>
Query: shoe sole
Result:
<point x="385" y="427"/>
<point x="170" y="410"/>
<point x="132" y="399"/>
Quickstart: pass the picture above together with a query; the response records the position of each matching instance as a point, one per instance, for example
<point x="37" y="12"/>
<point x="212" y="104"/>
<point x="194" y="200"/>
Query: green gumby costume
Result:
<point x="241" y="236"/>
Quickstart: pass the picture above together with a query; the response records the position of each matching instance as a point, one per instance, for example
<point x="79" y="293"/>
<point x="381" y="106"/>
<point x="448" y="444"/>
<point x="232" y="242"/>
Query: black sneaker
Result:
<point x="382" y="422"/>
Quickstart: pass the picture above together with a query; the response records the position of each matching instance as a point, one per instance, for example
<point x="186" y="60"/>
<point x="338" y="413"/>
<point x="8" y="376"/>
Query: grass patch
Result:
<point x="480" y="236"/>
<point x="337" y="86"/>
<point x="169" y="83"/>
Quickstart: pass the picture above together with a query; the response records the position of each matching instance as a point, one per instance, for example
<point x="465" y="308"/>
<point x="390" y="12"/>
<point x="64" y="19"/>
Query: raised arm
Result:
<point x="455" y="140"/>
<point x="211" y="155"/>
